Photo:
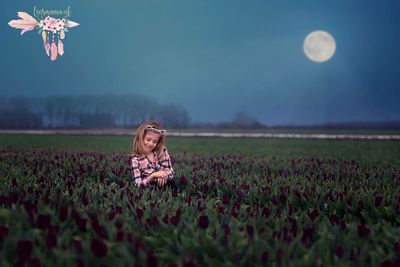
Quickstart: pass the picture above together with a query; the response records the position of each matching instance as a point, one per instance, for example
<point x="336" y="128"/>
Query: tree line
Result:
<point x="88" y="111"/>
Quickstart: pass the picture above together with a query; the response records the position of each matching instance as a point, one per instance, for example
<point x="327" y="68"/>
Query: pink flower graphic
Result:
<point x="52" y="30"/>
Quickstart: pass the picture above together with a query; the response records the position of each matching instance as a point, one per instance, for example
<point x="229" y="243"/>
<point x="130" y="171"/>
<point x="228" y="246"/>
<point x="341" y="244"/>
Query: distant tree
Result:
<point x="22" y="119"/>
<point x="242" y="120"/>
<point x="173" y="116"/>
<point x="96" y="120"/>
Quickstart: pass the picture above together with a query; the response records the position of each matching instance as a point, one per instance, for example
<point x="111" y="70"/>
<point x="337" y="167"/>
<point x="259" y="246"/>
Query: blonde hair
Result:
<point x="138" y="140"/>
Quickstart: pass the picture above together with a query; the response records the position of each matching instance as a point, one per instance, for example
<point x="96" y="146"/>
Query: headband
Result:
<point x="151" y="128"/>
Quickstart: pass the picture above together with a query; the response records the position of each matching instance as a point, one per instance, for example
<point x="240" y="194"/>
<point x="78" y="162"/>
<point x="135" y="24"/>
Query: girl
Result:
<point x="150" y="162"/>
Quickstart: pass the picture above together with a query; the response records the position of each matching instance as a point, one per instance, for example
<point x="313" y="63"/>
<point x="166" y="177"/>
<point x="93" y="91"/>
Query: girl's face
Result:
<point x="150" y="141"/>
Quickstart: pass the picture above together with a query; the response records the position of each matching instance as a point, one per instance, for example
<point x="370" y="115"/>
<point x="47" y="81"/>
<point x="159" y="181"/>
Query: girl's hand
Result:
<point x="151" y="178"/>
<point x="161" y="181"/>
<point x="161" y="177"/>
<point x="162" y="174"/>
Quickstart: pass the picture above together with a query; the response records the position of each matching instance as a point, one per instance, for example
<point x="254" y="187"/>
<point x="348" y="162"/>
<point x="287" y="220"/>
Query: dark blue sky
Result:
<point x="217" y="57"/>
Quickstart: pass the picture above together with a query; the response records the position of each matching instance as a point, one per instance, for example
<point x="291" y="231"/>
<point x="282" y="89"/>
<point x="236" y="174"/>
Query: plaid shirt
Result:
<point x="142" y="167"/>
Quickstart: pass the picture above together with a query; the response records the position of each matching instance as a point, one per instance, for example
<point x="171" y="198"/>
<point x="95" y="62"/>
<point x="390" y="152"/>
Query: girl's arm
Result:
<point x="166" y="166"/>
<point x="137" y="172"/>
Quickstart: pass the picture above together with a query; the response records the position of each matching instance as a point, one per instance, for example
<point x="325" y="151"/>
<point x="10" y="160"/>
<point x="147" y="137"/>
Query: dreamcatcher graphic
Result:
<point x="52" y="30"/>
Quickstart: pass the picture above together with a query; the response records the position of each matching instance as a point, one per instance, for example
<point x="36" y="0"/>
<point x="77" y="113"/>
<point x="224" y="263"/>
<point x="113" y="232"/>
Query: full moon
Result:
<point x="319" y="46"/>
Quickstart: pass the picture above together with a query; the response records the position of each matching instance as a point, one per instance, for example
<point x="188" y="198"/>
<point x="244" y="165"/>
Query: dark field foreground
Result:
<point x="68" y="201"/>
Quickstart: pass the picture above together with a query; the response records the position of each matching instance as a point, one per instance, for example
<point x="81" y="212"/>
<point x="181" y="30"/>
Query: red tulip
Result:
<point x="81" y="223"/>
<point x="63" y="213"/>
<point x="35" y="262"/>
<point x="264" y="257"/>
<point x="387" y="263"/>
<point x="188" y="262"/>
<point x="13" y="197"/>
<point x="77" y="243"/>
<point x="339" y="251"/>
<point x="178" y="212"/>
<point x="250" y="231"/>
<point x="183" y="180"/>
<point x="31" y="208"/>
<point x="363" y="230"/>
<point x="266" y="212"/>
<point x="3" y="232"/>
<point x="354" y="253"/>
<point x="151" y="260"/>
<point x="234" y="213"/>
<point x="24" y="249"/>
<point x="175" y="220"/>
<point x="334" y="219"/>
<point x="139" y="213"/>
<point x="120" y="236"/>
<point x="98" y="248"/>
<point x="100" y="230"/>
<point x="313" y="214"/>
<point x="203" y="221"/>
<point x="111" y="215"/>
<point x="396" y="248"/>
<point x="227" y="229"/>
<point x="205" y="187"/>
<point x="165" y="219"/>
<point x="3" y="200"/>
<point x="307" y="233"/>
<point x="43" y="221"/>
<point x="279" y="254"/>
<point x="152" y="221"/>
<point x="84" y="199"/>
<point x="118" y="209"/>
<point x="51" y="237"/>
<point x="378" y="200"/>
<point x="225" y="199"/>
<point x="293" y="226"/>
<point x="119" y="224"/>
<point x="80" y="263"/>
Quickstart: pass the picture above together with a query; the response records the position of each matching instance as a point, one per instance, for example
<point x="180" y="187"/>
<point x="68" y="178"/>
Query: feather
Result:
<point x="53" y="51"/>
<point x="60" y="47"/>
<point x="27" y="29"/>
<point x="47" y="48"/>
<point x="44" y="35"/>
<point x="22" y="24"/>
<point x="25" y="16"/>
<point x="26" y="23"/>
<point x="72" y="24"/>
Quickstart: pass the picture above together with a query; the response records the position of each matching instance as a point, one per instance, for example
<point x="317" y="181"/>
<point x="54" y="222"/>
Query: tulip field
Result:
<point x="70" y="201"/>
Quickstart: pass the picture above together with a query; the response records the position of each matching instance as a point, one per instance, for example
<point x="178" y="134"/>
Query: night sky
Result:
<point x="217" y="57"/>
